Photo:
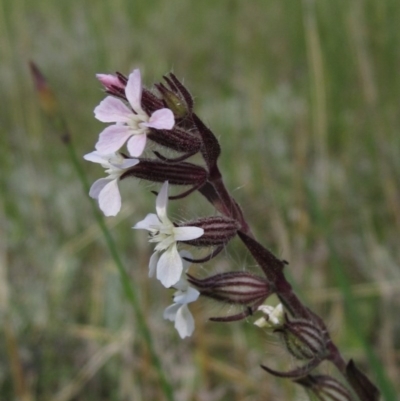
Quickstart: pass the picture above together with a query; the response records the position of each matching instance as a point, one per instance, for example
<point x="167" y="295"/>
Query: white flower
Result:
<point x="162" y="231"/>
<point x="274" y="316"/>
<point x="106" y="190"/>
<point x="131" y="122"/>
<point x="179" y="312"/>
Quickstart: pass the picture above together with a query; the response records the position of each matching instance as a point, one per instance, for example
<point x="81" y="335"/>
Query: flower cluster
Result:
<point x="132" y="124"/>
<point x="165" y="116"/>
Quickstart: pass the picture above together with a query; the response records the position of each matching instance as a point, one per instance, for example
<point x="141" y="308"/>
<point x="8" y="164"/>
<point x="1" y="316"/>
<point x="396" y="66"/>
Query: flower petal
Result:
<point x="184" y="322"/>
<point x="137" y="144"/>
<point x="169" y="267"/>
<point x="170" y="312"/>
<point x="153" y="263"/>
<point x="133" y="90"/>
<point x="112" y="138"/>
<point x="112" y="110"/>
<point x="128" y="163"/>
<point x="161" y="119"/>
<point x="97" y="187"/>
<point x="187" y="233"/>
<point x="186" y="297"/>
<point x="162" y="202"/>
<point x="150" y="222"/>
<point x="107" y="80"/>
<point x="110" y="199"/>
<point x="94" y="157"/>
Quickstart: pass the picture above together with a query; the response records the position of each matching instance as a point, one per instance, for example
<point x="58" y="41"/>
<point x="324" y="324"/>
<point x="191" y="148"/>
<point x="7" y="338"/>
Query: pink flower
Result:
<point x="106" y="190"/>
<point x="131" y="124"/>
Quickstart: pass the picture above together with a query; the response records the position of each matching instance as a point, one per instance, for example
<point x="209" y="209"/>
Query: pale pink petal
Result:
<point x="162" y="202"/>
<point x="151" y="221"/>
<point x="184" y="322"/>
<point x="94" y="157"/>
<point x="107" y="80"/>
<point x="187" y="233"/>
<point x="97" y="187"/>
<point x="112" y="138"/>
<point x="153" y="263"/>
<point x="110" y="199"/>
<point x="161" y="119"/>
<point x="127" y="163"/>
<point x="170" y="312"/>
<point x="137" y="144"/>
<point x="112" y="110"/>
<point x="169" y="267"/>
<point x="133" y="90"/>
<point x="186" y="297"/>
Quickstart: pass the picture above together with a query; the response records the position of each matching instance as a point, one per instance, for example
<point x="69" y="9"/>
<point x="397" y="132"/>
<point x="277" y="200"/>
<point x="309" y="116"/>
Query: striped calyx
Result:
<point x="304" y="339"/>
<point x="324" y="388"/>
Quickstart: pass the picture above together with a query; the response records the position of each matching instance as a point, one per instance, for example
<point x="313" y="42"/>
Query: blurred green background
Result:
<point x="304" y="97"/>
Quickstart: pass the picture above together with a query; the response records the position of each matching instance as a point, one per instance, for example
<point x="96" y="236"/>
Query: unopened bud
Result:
<point x="176" y="96"/>
<point x="304" y="339"/>
<point x="176" y="174"/>
<point x="176" y="139"/>
<point x="239" y="288"/>
<point x="218" y="230"/>
<point x="324" y="388"/>
<point x="114" y="84"/>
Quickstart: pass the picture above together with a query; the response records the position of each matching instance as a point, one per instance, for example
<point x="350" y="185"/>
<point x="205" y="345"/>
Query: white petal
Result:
<point x="162" y="202"/>
<point x="170" y="312"/>
<point x="137" y="144"/>
<point x="150" y="222"/>
<point x="113" y="138"/>
<point x="97" y="187"/>
<point x="186" y="297"/>
<point x="153" y="263"/>
<point x="127" y="163"/>
<point x="133" y="90"/>
<point x="112" y="110"/>
<point x="110" y="199"/>
<point x="94" y="157"/>
<point x="184" y="322"/>
<point x="187" y="233"/>
<point x="169" y="267"/>
<point x="161" y="119"/>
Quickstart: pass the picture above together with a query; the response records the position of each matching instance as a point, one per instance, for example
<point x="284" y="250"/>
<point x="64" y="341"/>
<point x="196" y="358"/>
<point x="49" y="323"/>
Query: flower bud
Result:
<point x="176" y="96"/>
<point x="304" y="339"/>
<point x="176" y="174"/>
<point x="238" y="288"/>
<point x="218" y="230"/>
<point x="176" y="139"/>
<point x="114" y="84"/>
<point x="324" y="388"/>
